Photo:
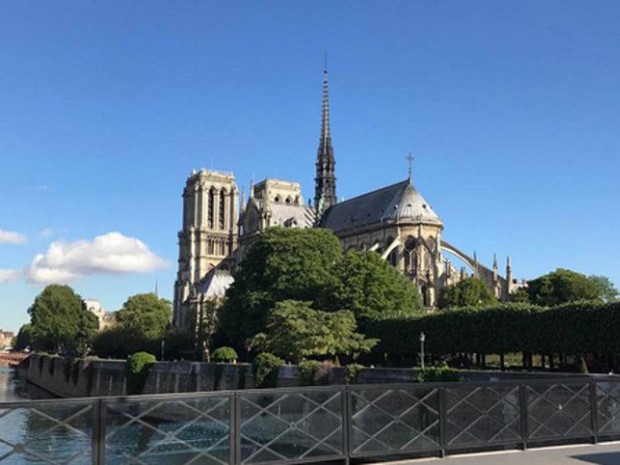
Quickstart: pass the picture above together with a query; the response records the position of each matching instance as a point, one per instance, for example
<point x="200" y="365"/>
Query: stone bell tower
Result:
<point x="208" y="235"/>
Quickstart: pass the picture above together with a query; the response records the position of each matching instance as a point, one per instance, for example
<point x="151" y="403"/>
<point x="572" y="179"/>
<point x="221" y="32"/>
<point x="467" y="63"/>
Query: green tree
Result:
<point x="372" y="288"/>
<point x="469" y="292"/>
<point x="296" y="331"/>
<point x="23" y="338"/>
<point x="60" y="321"/>
<point x="562" y="286"/>
<point x="283" y="264"/>
<point x="145" y="315"/>
<point x="605" y="289"/>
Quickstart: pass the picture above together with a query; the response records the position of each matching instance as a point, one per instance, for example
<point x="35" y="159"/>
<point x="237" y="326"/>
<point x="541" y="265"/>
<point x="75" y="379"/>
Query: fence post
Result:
<point x="593" y="411"/>
<point x="235" y="429"/>
<point x="524" y="415"/>
<point x="99" y="432"/>
<point x="443" y="420"/>
<point x="346" y="423"/>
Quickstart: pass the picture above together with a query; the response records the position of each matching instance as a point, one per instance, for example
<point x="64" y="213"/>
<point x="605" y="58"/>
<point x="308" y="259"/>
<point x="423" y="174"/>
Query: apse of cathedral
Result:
<point x="394" y="221"/>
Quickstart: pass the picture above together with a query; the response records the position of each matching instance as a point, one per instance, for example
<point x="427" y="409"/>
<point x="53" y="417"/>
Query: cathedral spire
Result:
<point x="325" y="181"/>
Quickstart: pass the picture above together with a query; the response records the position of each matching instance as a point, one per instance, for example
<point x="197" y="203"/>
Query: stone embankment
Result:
<point x="93" y="377"/>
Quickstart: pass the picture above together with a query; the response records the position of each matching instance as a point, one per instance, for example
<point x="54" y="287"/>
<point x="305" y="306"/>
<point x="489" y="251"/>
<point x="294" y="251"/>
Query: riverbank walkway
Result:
<point x="583" y="454"/>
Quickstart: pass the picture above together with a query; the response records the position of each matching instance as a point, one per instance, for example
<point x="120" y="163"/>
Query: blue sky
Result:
<point x="511" y="109"/>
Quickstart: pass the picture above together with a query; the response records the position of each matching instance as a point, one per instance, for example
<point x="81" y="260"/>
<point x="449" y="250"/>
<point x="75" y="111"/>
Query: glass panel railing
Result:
<point x="388" y="419"/>
<point x="482" y="415"/>
<point x="168" y="430"/>
<point x="559" y="410"/>
<point x="47" y="432"/>
<point x="291" y="425"/>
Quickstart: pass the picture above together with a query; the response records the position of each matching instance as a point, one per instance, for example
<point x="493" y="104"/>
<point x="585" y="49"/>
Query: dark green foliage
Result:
<point x="575" y="328"/>
<point x="136" y="370"/>
<point x="562" y="286"/>
<point x="605" y="289"/>
<point x="352" y="371"/>
<point x="23" y="338"/>
<point x="469" y="292"/>
<point x="265" y="367"/>
<point x="438" y="374"/>
<point x="119" y="343"/>
<point x="60" y="321"/>
<point x="295" y="331"/>
<point x="307" y="370"/>
<point x="370" y="287"/>
<point x="313" y="372"/>
<point x="520" y="296"/>
<point x="582" y="367"/>
<point x="308" y="265"/>
<point x="283" y="264"/>
<point x="225" y="355"/>
<point x="145" y="315"/>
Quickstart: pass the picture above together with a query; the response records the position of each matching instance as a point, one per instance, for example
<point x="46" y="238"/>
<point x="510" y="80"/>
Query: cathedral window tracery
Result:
<point x="211" y="207"/>
<point x="222" y="211"/>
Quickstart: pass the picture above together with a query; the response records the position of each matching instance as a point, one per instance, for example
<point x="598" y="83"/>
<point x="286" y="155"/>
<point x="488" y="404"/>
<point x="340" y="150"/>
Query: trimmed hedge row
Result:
<point x="575" y="328"/>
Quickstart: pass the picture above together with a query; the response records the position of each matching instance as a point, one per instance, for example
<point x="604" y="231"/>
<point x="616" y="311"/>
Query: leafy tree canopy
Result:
<point x="59" y="320"/>
<point x="309" y="265"/>
<point x="605" y="289"/>
<point x="23" y="338"/>
<point x="469" y="292"/>
<point x="295" y="331"/>
<point x="372" y="288"/>
<point x="562" y="286"/>
<point x="283" y="264"/>
<point x="145" y="315"/>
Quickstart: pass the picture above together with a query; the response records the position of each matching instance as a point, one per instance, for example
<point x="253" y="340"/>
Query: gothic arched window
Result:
<point x="410" y="254"/>
<point x="222" y="208"/>
<point x="211" y="201"/>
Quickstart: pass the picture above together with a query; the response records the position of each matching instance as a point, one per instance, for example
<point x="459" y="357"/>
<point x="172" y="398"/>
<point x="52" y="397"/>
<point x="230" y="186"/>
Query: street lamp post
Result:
<point x="422" y="339"/>
<point x="163" y="346"/>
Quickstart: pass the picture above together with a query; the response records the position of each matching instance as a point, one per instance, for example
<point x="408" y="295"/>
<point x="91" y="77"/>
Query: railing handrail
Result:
<point x="523" y="424"/>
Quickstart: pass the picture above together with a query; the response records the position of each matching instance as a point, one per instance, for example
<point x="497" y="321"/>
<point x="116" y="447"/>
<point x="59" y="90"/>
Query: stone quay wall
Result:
<point x="97" y="378"/>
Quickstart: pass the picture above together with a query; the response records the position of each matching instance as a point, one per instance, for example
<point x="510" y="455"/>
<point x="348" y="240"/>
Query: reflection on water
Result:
<point x="9" y="384"/>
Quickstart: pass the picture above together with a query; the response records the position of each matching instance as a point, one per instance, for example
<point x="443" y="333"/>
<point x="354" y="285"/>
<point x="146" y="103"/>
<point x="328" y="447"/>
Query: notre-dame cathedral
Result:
<point x="394" y="221"/>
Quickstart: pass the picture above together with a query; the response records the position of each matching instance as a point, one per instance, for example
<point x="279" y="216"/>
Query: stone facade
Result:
<point x="208" y="236"/>
<point x="395" y="221"/>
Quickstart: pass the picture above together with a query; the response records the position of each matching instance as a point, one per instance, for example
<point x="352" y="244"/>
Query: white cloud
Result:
<point x="111" y="253"/>
<point x="10" y="275"/>
<point x="11" y="237"/>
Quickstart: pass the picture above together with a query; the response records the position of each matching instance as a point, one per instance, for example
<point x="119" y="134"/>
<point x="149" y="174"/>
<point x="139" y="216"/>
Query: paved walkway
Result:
<point x="600" y="454"/>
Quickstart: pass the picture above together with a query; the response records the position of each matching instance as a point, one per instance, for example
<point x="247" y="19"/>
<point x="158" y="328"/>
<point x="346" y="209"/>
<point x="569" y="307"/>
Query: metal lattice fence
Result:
<point x="306" y="424"/>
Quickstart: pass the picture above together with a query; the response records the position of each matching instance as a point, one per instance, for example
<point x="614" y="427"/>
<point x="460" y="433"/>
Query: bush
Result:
<point x="313" y="372"/>
<point x="582" y="367"/>
<point x="307" y="369"/>
<point x="136" y="370"/>
<point x="225" y="354"/>
<point x="352" y="370"/>
<point x="438" y="374"/>
<point x="265" y="367"/>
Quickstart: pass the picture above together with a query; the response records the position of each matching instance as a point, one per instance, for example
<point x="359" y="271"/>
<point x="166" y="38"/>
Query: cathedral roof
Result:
<point x="215" y="283"/>
<point x="398" y="202"/>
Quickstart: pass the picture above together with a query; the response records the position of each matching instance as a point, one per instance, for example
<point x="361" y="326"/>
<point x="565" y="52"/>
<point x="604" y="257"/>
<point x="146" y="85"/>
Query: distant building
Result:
<point x="395" y="221"/>
<point x="6" y="338"/>
<point x="105" y="319"/>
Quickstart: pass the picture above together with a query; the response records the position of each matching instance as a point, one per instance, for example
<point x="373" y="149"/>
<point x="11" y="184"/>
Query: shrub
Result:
<point x="225" y="354"/>
<point x="582" y="367"/>
<point x="307" y="370"/>
<point x="352" y="370"/>
<point x="265" y="367"/>
<point x="438" y="374"/>
<point x="136" y="370"/>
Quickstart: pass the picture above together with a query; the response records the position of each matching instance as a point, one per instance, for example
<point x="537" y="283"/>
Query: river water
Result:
<point x="11" y="387"/>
